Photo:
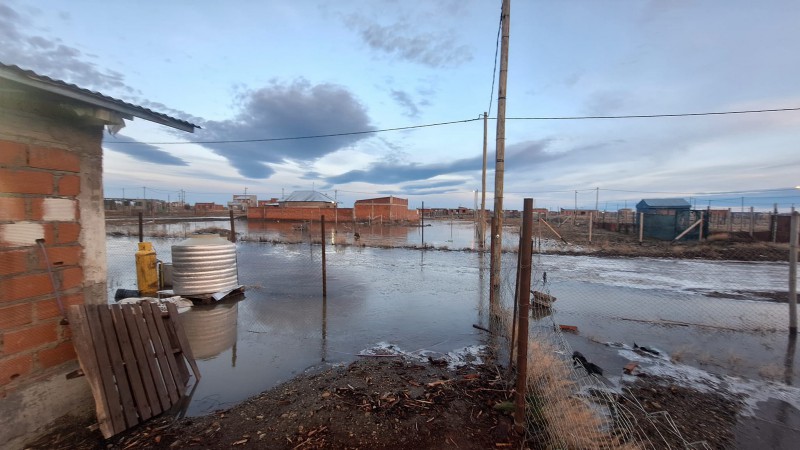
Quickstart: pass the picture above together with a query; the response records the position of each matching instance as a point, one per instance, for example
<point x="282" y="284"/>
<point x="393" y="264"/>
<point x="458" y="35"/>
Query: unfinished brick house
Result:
<point x="52" y="240"/>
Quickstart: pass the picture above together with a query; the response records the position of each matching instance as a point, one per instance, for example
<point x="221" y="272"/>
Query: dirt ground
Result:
<point x="388" y="403"/>
<point x="380" y="402"/>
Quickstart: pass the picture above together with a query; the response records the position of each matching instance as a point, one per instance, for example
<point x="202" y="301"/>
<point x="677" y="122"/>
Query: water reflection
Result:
<point x="211" y="329"/>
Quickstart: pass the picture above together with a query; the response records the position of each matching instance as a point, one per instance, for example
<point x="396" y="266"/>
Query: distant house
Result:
<point x="51" y="180"/>
<point x="208" y="206"/>
<point x="307" y="199"/>
<point x="666" y="218"/>
<point x="663" y="206"/>
<point x="273" y="202"/>
<point x="389" y="209"/>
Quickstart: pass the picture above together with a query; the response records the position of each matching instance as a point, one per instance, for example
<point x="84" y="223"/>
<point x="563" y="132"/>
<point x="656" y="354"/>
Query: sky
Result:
<point x="255" y="70"/>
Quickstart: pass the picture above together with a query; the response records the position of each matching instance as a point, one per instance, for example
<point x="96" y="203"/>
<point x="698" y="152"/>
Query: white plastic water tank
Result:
<point x="204" y="264"/>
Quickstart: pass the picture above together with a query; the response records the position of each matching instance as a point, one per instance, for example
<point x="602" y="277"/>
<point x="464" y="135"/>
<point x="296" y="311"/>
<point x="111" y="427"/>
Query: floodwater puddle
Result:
<point x="423" y="303"/>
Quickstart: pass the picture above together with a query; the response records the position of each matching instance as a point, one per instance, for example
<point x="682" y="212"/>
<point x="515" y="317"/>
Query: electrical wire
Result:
<point x="652" y="116"/>
<point x="496" y="50"/>
<point x="454" y="122"/>
<point x="295" y="138"/>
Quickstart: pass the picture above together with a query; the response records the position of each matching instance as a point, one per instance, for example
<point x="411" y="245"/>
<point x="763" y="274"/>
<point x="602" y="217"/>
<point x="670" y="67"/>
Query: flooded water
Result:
<point x="425" y="302"/>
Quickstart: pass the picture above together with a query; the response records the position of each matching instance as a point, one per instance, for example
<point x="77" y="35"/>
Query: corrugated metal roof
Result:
<point x="45" y="83"/>
<point x="308" y="196"/>
<point x="664" y="203"/>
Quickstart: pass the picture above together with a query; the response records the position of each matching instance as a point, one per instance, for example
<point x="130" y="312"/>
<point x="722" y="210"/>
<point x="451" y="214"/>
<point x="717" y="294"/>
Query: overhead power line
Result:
<point x="496" y="51"/>
<point x="652" y="116"/>
<point x="295" y="138"/>
<point x="454" y="122"/>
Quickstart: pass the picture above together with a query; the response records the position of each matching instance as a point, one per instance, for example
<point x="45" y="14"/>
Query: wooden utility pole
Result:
<point x="482" y="215"/>
<point x="499" y="168"/>
<point x="524" y="299"/>
<point x="324" y="265"/>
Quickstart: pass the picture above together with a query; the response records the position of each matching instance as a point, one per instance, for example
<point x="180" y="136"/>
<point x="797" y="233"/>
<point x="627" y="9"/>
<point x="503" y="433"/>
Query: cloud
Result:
<point x="49" y="56"/>
<point x="141" y="151"/>
<point x="406" y="102"/>
<point x="518" y="156"/>
<point x="287" y="110"/>
<point x="432" y="185"/>
<point x="403" y="40"/>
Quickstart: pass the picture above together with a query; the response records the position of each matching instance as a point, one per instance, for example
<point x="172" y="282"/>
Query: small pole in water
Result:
<point x="324" y="275"/>
<point x="422" y="227"/>
<point x="141" y="228"/>
<point x="233" y="229"/>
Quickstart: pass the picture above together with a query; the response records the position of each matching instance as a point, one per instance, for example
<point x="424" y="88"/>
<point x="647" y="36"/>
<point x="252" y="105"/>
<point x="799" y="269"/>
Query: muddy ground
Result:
<point x="388" y="402"/>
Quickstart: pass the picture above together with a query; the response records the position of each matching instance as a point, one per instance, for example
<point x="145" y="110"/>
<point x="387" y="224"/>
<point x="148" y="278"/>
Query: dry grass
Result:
<point x="570" y="421"/>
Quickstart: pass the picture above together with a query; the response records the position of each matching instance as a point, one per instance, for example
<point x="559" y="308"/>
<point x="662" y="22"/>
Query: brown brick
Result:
<point x="36" y="209"/>
<point x="62" y="256"/>
<point x="69" y="185"/>
<point x="14" y="367"/>
<point x="54" y="159"/>
<point x="47" y="309"/>
<point x="25" y="182"/>
<point x="71" y="278"/>
<point x="13" y="261"/>
<point x="68" y="232"/>
<point x="12" y="208"/>
<point x="59" y="354"/>
<point x="13" y="154"/>
<point x="14" y="316"/>
<point x="31" y="337"/>
<point x="24" y="286"/>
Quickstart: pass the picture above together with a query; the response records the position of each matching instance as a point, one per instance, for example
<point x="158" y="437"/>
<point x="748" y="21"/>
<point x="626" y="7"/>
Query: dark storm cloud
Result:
<point x="432" y="185"/>
<point x="403" y="40"/>
<point x="142" y="152"/>
<point x="406" y="102"/>
<point x="296" y="109"/>
<point x="518" y="156"/>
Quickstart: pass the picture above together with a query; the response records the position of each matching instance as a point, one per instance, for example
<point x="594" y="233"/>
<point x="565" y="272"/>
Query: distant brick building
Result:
<point x="387" y="209"/>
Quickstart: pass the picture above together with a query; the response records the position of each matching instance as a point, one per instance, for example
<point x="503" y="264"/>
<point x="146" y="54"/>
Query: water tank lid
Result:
<point x="203" y="240"/>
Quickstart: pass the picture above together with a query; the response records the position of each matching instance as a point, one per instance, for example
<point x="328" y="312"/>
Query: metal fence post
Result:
<point x="591" y="220"/>
<point x="793" y="230"/>
<point x="141" y="227"/>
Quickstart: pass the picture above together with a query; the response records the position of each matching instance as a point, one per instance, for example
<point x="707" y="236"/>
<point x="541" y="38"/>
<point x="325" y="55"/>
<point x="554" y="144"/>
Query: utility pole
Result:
<point x="499" y="168"/>
<point x="597" y="199"/>
<point x="123" y="193"/>
<point x="482" y="215"/>
<point x="575" y="211"/>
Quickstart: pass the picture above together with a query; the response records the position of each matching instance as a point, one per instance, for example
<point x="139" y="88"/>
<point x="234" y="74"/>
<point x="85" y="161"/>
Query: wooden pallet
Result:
<point x="134" y="357"/>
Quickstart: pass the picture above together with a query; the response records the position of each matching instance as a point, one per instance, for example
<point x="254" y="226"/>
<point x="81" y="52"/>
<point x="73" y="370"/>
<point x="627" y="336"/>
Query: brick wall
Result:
<point x="39" y="190"/>
<point x="386" y="212"/>
<point x="300" y="214"/>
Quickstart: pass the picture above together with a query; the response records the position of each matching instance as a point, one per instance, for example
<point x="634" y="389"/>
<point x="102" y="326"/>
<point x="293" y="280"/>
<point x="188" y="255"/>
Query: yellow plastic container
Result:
<point x="146" y="270"/>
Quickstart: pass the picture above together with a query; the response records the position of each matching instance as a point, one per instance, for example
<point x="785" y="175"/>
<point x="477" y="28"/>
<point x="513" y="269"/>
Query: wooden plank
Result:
<point x="142" y="363"/>
<point x="181" y="334"/>
<point x="106" y="373"/>
<point x="131" y="364"/>
<point x="161" y="355"/>
<point x="153" y="401"/>
<point x="118" y="367"/>
<point x="180" y="360"/>
<point x="155" y="372"/>
<point x="84" y="347"/>
<point x="180" y="385"/>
